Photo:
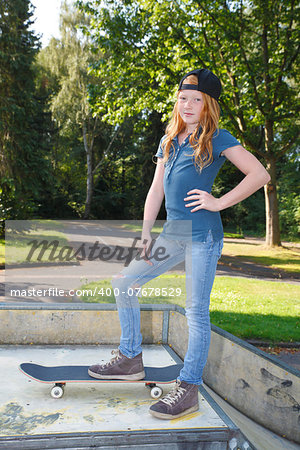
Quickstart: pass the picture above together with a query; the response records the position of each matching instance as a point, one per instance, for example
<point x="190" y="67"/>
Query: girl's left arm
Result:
<point x="256" y="177"/>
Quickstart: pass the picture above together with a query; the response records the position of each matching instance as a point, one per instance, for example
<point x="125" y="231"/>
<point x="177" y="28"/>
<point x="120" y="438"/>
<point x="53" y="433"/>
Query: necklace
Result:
<point x="182" y="138"/>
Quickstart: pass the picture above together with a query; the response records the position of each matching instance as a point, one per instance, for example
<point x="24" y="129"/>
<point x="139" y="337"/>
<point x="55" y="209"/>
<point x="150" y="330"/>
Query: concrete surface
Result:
<point x="27" y="407"/>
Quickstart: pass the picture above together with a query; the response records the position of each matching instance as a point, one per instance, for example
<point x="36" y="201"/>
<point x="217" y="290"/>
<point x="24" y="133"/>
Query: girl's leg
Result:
<point x="135" y="276"/>
<point x="201" y="263"/>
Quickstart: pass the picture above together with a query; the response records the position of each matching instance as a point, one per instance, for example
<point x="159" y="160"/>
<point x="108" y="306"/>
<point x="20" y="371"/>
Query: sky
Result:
<point x="46" y="17"/>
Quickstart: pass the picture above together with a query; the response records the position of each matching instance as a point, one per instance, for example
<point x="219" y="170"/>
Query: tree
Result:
<point x="252" y="46"/>
<point x="21" y="151"/>
<point x="289" y="195"/>
<point x="66" y="61"/>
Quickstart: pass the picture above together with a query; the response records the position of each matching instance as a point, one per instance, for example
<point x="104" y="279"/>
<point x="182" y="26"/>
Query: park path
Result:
<point x="110" y="234"/>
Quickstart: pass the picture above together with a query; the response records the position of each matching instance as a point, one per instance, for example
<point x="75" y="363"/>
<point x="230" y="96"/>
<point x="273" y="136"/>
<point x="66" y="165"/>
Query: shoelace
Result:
<point x="113" y="360"/>
<point x="174" y="394"/>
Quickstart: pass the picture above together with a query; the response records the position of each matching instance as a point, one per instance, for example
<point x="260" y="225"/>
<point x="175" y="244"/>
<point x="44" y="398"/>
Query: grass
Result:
<point x="19" y="247"/>
<point x="284" y="258"/>
<point x="158" y="229"/>
<point x="257" y="309"/>
<point x="247" y="308"/>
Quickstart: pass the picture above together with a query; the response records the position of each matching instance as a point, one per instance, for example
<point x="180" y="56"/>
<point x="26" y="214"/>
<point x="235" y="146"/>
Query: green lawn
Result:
<point x="158" y="230"/>
<point x="247" y="308"/>
<point x="26" y="245"/>
<point x="285" y="258"/>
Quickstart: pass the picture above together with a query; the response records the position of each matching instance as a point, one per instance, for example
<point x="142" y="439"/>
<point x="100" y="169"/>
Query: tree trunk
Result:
<point x="272" y="216"/>
<point x="89" y="181"/>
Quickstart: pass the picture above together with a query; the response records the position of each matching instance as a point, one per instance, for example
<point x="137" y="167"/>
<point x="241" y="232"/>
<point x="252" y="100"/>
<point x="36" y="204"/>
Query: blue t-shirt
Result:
<point x="181" y="176"/>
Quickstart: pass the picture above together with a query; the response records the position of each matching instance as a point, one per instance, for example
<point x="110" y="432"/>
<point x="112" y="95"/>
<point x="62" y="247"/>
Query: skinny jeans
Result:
<point x="200" y="265"/>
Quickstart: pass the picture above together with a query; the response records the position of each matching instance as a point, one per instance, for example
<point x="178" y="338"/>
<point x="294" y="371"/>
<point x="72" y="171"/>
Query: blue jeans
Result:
<point x="200" y="263"/>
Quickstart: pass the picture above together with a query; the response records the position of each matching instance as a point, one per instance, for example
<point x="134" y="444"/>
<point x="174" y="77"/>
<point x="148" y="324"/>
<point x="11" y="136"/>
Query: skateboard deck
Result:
<point x="60" y="375"/>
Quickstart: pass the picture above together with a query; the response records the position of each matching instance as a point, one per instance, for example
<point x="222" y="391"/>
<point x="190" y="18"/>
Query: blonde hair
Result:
<point x="201" y="142"/>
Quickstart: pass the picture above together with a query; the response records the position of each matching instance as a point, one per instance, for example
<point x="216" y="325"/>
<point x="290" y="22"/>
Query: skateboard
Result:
<point x="60" y="375"/>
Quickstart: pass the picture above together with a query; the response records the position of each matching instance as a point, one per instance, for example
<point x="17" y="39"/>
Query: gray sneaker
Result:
<point x="119" y="368"/>
<point x="181" y="400"/>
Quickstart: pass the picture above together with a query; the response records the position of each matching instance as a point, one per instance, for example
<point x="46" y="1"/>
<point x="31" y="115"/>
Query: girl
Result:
<point x="189" y="158"/>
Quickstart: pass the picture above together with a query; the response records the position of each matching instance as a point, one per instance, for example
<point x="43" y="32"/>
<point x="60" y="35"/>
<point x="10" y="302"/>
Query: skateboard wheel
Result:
<point x="57" y="392"/>
<point x="156" y="392"/>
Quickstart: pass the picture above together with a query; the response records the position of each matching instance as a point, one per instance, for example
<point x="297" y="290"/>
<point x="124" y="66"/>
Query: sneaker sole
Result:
<point x="133" y="377"/>
<point x="160" y="415"/>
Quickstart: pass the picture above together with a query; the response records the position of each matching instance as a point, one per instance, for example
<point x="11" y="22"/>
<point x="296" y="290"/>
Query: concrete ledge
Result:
<point x="72" y="326"/>
<point x="84" y="307"/>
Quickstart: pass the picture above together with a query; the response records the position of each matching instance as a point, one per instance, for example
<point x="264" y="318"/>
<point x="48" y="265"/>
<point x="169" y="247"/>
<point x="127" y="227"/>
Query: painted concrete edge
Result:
<point x="237" y="433"/>
<point x="152" y="438"/>
<point x="82" y="307"/>
<point x="226" y="419"/>
<point x="234" y="429"/>
<point x="236" y="340"/>
<point x="255" y="350"/>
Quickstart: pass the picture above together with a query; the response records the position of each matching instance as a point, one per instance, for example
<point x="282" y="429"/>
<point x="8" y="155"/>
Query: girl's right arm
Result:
<point x="153" y="202"/>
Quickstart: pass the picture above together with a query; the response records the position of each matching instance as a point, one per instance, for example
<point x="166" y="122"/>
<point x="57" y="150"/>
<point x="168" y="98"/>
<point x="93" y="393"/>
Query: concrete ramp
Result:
<point x="242" y="380"/>
<point x="104" y="416"/>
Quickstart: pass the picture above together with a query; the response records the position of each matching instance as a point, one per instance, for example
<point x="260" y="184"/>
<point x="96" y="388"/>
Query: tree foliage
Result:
<point x="63" y="124"/>
<point x="22" y="151"/>
<point x="65" y="63"/>
<point x="147" y="45"/>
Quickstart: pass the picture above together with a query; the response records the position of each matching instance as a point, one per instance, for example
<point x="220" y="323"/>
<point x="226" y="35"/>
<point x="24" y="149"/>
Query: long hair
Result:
<point x="201" y="138"/>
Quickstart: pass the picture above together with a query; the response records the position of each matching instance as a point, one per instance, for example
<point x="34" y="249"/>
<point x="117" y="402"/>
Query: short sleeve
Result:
<point x="160" y="152"/>
<point x="221" y="141"/>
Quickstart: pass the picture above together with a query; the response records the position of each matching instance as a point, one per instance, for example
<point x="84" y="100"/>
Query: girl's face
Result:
<point x="190" y="105"/>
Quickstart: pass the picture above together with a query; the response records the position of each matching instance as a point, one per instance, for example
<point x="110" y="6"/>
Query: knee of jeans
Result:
<point x="122" y="282"/>
<point x="197" y="315"/>
<point x="118" y="281"/>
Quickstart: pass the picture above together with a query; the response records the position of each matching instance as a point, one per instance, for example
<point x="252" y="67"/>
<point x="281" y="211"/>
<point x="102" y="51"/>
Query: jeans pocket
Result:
<point x="220" y="248"/>
<point x="216" y="246"/>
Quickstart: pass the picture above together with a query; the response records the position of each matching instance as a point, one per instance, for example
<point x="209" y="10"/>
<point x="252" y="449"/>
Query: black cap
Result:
<point x="208" y="83"/>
